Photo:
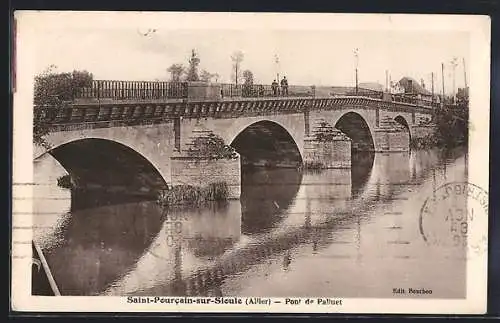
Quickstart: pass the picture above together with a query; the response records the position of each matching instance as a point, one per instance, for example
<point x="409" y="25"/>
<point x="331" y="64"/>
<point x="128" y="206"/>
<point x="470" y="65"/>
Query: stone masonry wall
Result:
<point x="331" y="154"/>
<point x="326" y="147"/>
<point x="391" y="136"/>
<point x="390" y="140"/>
<point x="201" y="172"/>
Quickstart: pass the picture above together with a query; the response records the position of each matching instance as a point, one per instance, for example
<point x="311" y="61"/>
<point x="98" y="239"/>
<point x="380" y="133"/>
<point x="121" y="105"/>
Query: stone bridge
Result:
<point x="151" y="143"/>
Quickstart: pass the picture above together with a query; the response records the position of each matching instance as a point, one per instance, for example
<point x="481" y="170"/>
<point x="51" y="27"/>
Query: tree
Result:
<point x="194" y="61"/>
<point x="213" y="147"/>
<point x="51" y="88"/>
<point x="206" y="76"/>
<point x="55" y="90"/>
<point x="176" y="71"/>
<point x="247" y="83"/>
<point x="248" y="77"/>
<point x="237" y="58"/>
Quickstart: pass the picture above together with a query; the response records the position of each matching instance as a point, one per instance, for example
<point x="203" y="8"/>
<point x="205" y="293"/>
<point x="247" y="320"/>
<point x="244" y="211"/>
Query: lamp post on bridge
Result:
<point x="356" y="60"/>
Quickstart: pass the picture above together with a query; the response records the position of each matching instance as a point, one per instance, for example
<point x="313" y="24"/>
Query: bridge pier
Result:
<point x="197" y="166"/>
<point x="391" y="136"/>
<point x="326" y="147"/>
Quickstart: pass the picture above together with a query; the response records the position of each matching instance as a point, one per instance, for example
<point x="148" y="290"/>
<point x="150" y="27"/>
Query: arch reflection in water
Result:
<point x="361" y="168"/>
<point x="326" y="193"/>
<point x="266" y="195"/>
<point x="289" y="245"/>
<point x="101" y="244"/>
<point x="389" y="171"/>
<point x="211" y="230"/>
<point x="189" y="239"/>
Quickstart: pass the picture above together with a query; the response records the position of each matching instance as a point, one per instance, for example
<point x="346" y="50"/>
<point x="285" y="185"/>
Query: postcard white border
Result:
<point x="27" y="21"/>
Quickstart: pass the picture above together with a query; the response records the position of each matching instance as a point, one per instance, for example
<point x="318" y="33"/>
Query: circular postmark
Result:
<point x="454" y="217"/>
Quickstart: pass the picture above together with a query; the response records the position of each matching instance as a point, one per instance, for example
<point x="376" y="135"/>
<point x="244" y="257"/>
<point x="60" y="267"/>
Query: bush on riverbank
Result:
<point x="64" y="181"/>
<point x="451" y="131"/>
<point x="193" y="195"/>
<point x="426" y="142"/>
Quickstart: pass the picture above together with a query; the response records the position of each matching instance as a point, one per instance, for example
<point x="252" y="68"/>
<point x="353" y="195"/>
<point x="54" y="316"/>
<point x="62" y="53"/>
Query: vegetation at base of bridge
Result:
<point x="452" y="130"/>
<point x="325" y="133"/>
<point x="193" y="195"/>
<point x="64" y="181"/>
<point x="211" y="147"/>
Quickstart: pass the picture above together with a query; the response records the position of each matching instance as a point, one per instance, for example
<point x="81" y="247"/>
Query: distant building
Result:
<point x="411" y="87"/>
<point x="395" y="88"/>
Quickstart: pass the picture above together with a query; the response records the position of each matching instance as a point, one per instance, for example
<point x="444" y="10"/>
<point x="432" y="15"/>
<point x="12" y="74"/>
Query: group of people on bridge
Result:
<point x="276" y="87"/>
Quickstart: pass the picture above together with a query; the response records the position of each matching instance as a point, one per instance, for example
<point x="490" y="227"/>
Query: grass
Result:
<point x="193" y="195"/>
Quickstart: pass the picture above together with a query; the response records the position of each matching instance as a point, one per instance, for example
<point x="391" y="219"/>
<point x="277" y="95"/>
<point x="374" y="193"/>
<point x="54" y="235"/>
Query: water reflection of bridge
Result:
<point x="201" y="257"/>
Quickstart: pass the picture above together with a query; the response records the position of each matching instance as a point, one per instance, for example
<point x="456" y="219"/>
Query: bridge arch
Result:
<point x="358" y="129"/>
<point x="265" y="141"/>
<point x="402" y="121"/>
<point x="104" y="170"/>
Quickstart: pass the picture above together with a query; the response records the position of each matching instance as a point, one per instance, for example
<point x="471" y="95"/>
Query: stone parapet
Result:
<point x="204" y="91"/>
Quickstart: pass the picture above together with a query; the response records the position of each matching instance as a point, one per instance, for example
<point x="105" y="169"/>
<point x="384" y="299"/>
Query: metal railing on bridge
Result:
<point x="158" y="90"/>
<point x="261" y="90"/>
<point x="412" y="99"/>
<point x="365" y="93"/>
<point x="130" y="90"/>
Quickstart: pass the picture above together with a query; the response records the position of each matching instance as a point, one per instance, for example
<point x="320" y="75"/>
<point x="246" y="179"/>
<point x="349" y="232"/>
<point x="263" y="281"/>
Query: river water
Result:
<point x="337" y="233"/>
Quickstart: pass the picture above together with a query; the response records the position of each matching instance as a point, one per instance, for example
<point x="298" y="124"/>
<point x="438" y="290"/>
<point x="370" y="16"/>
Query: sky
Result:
<point x="309" y="53"/>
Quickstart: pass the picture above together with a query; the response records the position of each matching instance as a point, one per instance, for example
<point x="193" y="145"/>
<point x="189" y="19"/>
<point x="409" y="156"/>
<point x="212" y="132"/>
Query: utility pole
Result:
<point x="277" y="61"/>
<point x="356" y="57"/>
<point x="454" y="65"/>
<point x="442" y="77"/>
<point x="432" y="86"/>
<point x="356" y="81"/>
<point x="386" y="81"/>
<point x="465" y="73"/>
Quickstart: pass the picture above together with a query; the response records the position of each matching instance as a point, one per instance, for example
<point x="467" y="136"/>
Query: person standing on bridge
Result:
<point x="274" y="87"/>
<point x="284" y="86"/>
